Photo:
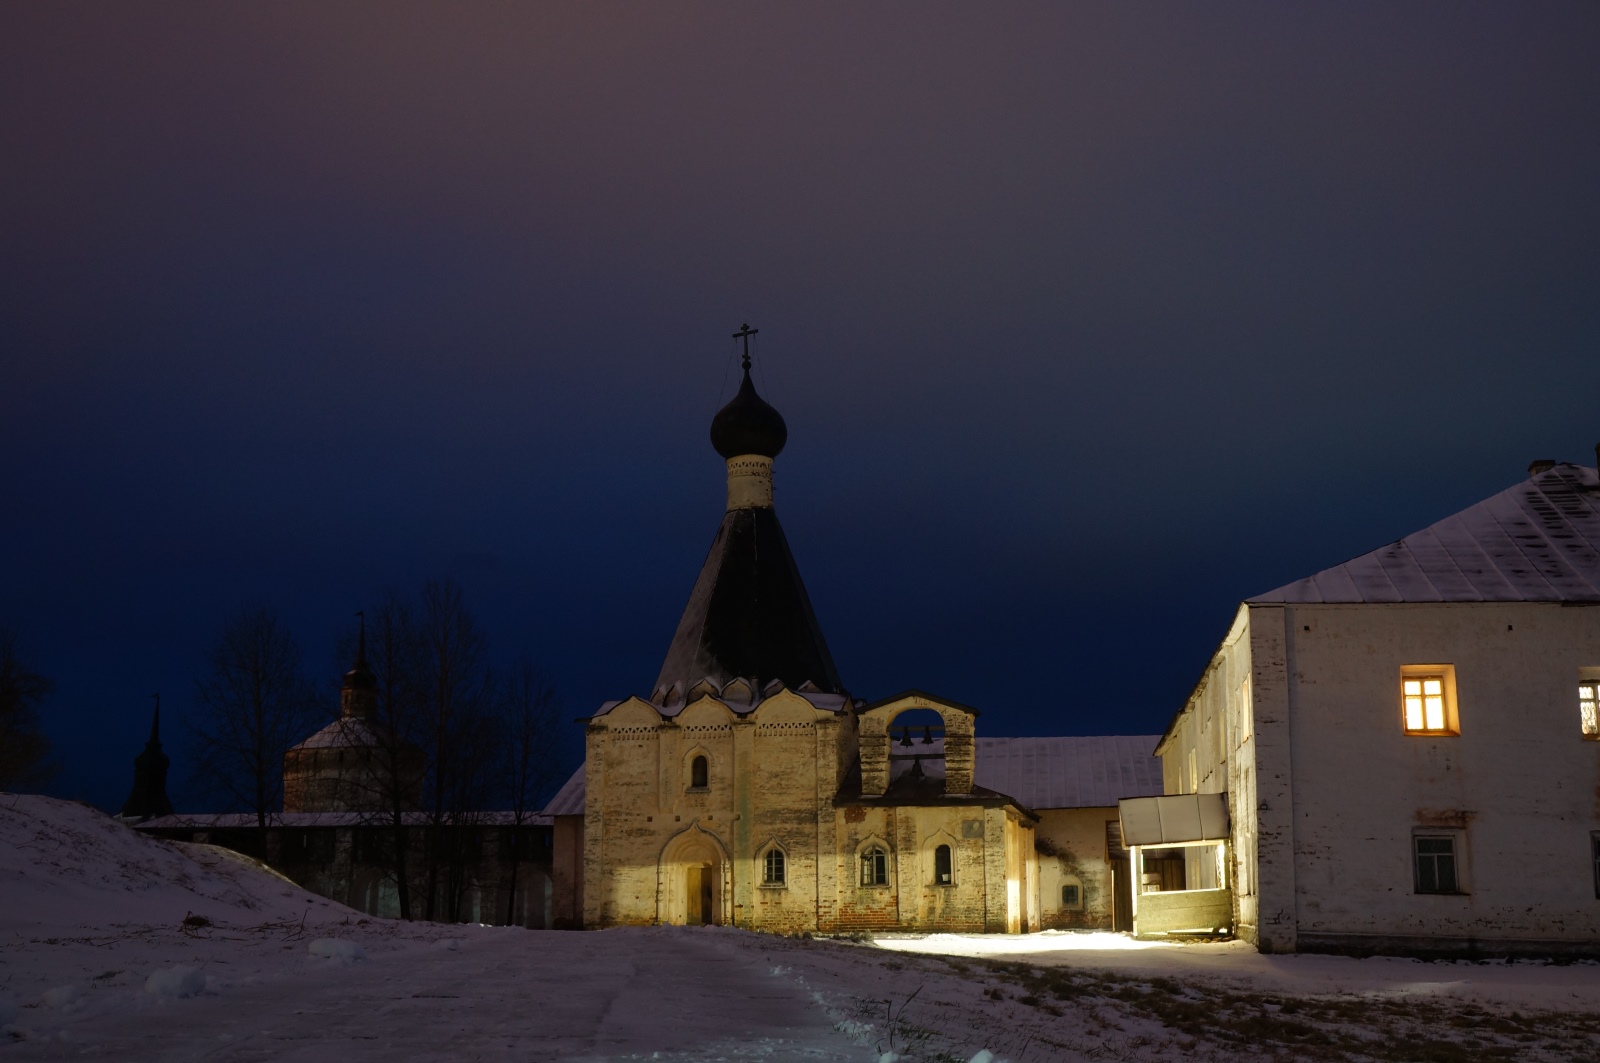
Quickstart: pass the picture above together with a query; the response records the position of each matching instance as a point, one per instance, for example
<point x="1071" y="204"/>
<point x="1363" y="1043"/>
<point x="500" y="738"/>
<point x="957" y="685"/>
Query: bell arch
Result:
<point x="873" y="740"/>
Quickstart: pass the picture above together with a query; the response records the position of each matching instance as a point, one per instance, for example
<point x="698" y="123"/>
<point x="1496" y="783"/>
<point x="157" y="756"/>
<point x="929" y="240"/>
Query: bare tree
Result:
<point x="253" y="705"/>
<point x="395" y="782"/>
<point x="25" y="761"/>
<point x="528" y="713"/>
<point x="457" y="687"/>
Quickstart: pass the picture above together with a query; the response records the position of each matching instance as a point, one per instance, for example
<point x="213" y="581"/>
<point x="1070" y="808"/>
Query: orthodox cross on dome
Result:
<point x="745" y="332"/>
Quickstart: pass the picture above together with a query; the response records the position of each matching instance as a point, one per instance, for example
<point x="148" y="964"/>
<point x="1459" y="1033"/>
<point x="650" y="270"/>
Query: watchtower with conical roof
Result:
<point x="357" y="763"/>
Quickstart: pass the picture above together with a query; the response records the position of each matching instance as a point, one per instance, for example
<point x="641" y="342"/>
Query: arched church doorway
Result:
<point x="691" y="880"/>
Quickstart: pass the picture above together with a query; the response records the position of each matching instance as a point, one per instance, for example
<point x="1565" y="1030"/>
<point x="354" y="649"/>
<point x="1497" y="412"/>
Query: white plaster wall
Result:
<point x="1519" y="778"/>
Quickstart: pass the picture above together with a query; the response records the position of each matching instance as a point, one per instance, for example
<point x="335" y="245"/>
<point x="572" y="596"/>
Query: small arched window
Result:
<point x="772" y="868"/>
<point x="875" y="867"/>
<point x="699" y="774"/>
<point x="941" y="866"/>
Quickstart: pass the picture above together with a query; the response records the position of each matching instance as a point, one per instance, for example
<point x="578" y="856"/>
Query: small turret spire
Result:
<point x="358" y="695"/>
<point x="148" y="798"/>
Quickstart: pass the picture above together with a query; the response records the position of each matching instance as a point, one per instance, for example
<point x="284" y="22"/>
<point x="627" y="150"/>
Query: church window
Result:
<point x="942" y="873"/>
<point x="772" y="869"/>
<point x="875" y="867"/>
<point x="1427" y="696"/>
<point x="699" y="774"/>
<point x="1589" y="708"/>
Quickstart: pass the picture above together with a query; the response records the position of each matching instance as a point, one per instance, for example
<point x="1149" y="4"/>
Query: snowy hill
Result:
<point x="97" y="962"/>
<point x="66" y="866"/>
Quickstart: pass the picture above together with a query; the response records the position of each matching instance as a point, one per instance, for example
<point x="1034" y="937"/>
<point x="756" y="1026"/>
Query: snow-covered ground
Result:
<point x="116" y="946"/>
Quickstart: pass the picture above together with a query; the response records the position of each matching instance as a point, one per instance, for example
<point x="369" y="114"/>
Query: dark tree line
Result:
<point x="451" y="739"/>
<point x="25" y="761"/>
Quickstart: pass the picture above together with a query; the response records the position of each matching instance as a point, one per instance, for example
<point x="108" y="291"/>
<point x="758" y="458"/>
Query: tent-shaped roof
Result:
<point x="749" y="615"/>
<point x="1538" y="541"/>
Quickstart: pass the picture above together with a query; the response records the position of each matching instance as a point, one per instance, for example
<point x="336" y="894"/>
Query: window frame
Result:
<point x="1457" y="855"/>
<point x="1449" y="711"/>
<point x="949" y="870"/>
<point x="879" y="878"/>
<point x="1076" y="904"/>
<point x="774" y="854"/>
<point x="699" y="761"/>
<point x="1589" y="727"/>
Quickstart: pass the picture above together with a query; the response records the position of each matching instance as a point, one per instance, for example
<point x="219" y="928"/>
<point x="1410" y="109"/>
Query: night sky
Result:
<point x="1088" y="321"/>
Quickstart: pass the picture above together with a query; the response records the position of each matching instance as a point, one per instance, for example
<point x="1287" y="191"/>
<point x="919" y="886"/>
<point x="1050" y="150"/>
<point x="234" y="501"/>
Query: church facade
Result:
<point x="750" y="789"/>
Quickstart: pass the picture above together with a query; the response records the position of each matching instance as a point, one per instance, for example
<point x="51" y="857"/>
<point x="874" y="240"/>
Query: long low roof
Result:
<point x="1085" y="772"/>
<point x="1538" y="541"/>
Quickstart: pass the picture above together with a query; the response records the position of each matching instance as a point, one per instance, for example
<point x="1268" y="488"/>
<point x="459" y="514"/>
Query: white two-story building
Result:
<point x="1406" y="745"/>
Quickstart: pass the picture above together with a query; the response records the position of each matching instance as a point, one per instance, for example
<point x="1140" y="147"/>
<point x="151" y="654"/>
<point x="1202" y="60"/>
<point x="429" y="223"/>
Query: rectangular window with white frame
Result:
<point x="1428" y="699"/>
<point x="1437" y="862"/>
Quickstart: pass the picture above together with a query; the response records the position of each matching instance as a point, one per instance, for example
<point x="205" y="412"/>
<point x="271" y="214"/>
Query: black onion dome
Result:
<point x="747" y="425"/>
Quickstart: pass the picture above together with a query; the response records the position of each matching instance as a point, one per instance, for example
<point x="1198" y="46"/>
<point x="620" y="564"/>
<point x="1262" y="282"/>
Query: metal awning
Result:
<point x="1173" y="819"/>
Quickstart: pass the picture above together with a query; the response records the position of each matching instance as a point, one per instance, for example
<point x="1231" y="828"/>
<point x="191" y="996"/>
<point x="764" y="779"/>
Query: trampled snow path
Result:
<point x="500" y="995"/>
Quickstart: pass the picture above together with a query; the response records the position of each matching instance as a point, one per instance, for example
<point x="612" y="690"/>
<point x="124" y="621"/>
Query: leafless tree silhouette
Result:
<point x="252" y="705"/>
<point x="25" y="761"/>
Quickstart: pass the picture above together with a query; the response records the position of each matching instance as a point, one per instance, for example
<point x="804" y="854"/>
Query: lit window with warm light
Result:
<point x="1589" y="708"/>
<point x="1427" y="698"/>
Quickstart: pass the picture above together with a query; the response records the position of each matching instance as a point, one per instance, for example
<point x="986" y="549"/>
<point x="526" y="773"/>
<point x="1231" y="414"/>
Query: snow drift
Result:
<point x="65" y="866"/>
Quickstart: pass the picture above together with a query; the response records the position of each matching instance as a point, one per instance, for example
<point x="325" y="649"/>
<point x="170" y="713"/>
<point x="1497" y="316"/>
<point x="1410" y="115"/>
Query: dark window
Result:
<point x="1071" y="895"/>
<point x="875" y="867"/>
<point x="524" y="843"/>
<point x="772" y="868"/>
<point x="1594" y="850"/>
<point x="698" y="774"/>
<point x="372" y="845"/>
<point x="941" y="866"/>
<point x="1436" y="865"/>
<point x="306" y="847"/>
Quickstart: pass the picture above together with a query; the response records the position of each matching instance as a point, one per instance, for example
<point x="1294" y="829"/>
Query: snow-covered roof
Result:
<point x="1538" y="541"/>
<point x="568" y="800"/>
<point x="347" y="732"/>
<point x="1092" y="772"/>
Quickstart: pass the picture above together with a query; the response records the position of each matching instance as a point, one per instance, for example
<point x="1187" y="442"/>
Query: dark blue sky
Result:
<point x="1087" y="321"/>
